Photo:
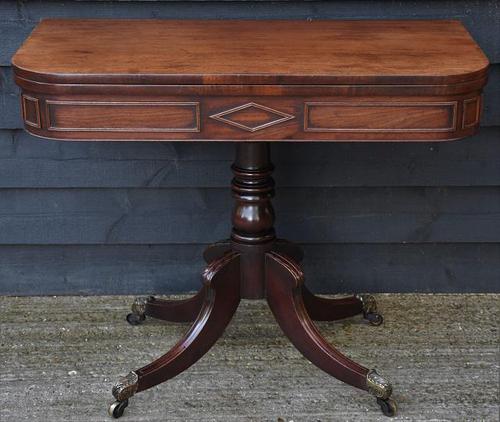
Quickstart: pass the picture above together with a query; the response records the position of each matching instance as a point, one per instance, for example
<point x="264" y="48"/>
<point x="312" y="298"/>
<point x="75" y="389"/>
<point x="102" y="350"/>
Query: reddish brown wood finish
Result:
<point x="313" y="117"/>
<point x="251" y="81"/>
<point x="250" y="52"/>
<point x="252" y="264"/>
<point x="277" y="80"/>
<point x="218" y="249"/>
<point x="323" y="309"/>
<point x="176" y="310"/>
<point x="221" y="298"/>
<point x="284" y="281"/>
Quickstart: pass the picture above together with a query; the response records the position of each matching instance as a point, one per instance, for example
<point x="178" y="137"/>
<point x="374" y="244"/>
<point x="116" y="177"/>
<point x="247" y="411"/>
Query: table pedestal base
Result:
<point x="253" y="265"/>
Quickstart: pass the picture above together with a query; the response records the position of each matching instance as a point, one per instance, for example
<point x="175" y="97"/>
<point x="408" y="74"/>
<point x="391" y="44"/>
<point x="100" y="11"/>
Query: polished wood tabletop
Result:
<point x="251" y="52"/>
<point x="185" y="80"/>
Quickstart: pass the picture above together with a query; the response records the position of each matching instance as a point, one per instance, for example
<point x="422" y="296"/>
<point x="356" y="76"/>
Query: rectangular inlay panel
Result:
<point x="379" y="117"/>
<point x="31" y="111"/>
<point x="472" y="108"/>
<point x="123" y="116"/>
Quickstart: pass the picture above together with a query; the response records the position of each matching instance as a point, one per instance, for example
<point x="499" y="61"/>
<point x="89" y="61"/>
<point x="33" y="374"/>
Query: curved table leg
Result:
<point x="221" y="298"/>
<point x="168" y="310"/>
<point x="284" y="280"/>
<point x="325" y="309"/>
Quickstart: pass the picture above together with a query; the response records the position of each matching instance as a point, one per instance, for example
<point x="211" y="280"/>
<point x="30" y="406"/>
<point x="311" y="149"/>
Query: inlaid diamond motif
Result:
<point x="252" y="117"/>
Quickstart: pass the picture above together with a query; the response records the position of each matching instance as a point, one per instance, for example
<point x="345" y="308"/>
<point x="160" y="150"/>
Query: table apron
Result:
<point x="252" y="117"/>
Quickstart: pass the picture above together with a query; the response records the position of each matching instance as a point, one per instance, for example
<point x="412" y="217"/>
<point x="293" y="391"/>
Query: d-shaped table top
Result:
<point x="250" y="52"/>
<point x="251" y="80"/>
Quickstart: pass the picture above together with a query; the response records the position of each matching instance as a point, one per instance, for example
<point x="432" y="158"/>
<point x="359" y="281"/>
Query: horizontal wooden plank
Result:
<point x="27" y="162"/>
<point x="491" y="99"/>
<point x="480" y="17"/>
<point x="314" y="215"/>
<point x="12" y="32"/>
<point x="10" y="104"/>
<point x="10" y="110"/>
<point x="332" y="268"/>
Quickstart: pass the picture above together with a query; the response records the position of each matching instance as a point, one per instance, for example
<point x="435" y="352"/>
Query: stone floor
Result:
<point x="60" y="356"/>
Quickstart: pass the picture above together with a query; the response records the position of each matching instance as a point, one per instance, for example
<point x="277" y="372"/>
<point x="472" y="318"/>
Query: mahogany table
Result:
<point x="251" y="82"/>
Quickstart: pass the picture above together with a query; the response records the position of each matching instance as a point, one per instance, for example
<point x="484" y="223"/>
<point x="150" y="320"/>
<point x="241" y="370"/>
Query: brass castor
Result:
<point x="117" y="408"/>
<point x="135" y="319"/>
<point x="374" y="318"/>
<point x="388" y="406"/>
<point x="370" y="311"/>
<point x="138" y="314"/>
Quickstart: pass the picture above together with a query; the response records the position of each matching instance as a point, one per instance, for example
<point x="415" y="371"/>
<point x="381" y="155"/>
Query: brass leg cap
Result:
<point x="378" y="385"/>
<point x="126" y="387"/>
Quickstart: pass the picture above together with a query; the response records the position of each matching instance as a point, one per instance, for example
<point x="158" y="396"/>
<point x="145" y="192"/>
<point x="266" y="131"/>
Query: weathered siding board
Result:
<point x="10" y="106"/>
<point x="28" y="162"/>
<point x="10" y="111"/>
<point x="491" y="99"/>
<point x="308" y="215"/>
<point x="12" y="34"/>
<point x="480" y="17"/>
<point x="142" y="269"/>
<point x="134" y="217"/>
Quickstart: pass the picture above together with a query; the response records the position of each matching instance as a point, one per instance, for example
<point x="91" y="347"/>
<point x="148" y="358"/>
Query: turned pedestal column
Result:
<point x="253" y="264"/>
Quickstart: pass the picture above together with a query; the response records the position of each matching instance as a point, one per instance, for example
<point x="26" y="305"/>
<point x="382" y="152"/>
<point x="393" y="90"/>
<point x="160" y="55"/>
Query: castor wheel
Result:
<point x="134" y="319"/>
<point x="388" y="406"/>
<point x="374" y="319"/>
<point x="117" y="408"/>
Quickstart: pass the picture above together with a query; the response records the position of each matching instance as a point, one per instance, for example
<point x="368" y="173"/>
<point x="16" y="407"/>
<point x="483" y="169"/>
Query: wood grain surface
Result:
<point x="480" y="17"/>
<point x="305" y="215"/>
<point x="29" y="162"/>
<point x="151" y="80"/>
<point x="330" y="268"/>
<point x="248" y="52"/>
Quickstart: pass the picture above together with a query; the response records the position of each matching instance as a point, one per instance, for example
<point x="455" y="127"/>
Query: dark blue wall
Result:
<point x="133" y="218"/>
